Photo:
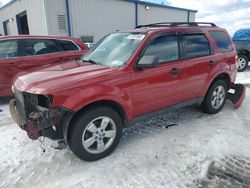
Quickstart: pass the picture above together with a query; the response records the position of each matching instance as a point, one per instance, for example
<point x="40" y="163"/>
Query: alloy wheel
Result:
<point x="218" y="97"/>
<point x="99" y="135"/>
<point x="241" y="63"/>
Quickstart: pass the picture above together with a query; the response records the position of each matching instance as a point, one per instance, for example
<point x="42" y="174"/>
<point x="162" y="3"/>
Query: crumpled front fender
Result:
<point x="37" y="122"/>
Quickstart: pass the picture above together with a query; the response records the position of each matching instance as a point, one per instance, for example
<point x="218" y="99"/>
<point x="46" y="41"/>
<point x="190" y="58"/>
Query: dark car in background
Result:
<point x="241" y="41"/>
<point x="23" y="54"/>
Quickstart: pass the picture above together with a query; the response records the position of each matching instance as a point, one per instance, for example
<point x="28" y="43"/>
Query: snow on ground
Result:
<point x="149" y="154"/>
<point x="244" y="77"/>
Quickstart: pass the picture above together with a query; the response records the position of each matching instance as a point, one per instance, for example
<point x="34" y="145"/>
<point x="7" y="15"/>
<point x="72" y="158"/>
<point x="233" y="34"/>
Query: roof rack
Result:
<point x="175" y="24"/>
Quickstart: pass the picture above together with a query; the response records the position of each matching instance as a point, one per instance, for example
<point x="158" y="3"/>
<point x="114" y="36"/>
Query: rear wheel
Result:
<point x="215" y="97"/>
<point x="242" y="63"/>
<point x="95" y="133"/>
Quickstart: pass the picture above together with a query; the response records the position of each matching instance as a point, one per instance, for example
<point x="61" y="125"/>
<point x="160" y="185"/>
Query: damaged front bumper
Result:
<point x="43" y="122"/>
<point x="238" y="95"/>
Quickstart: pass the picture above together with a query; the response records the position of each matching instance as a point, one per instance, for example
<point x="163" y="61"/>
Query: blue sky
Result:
<point x="229" y="14"/>
<point x="2" y="2"/>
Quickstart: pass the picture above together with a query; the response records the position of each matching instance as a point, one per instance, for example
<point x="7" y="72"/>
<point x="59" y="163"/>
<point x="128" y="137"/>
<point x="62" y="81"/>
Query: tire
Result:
<point x="95" y="133"/>
<point x="242" y="63"/>
<point x="215" y="97"/>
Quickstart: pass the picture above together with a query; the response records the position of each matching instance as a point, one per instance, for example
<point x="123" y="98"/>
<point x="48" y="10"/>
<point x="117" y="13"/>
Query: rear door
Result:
<point x="199" y="60"/>
<point x="8" y="59"/>
<point x="156" y="88"/>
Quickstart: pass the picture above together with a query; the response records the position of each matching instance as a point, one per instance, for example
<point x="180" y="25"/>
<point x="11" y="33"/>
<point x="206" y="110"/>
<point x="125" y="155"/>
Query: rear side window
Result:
<point x="195" y="45"/>
<point x="8" y="49"/>
<point x="32" y="47"/>
<point x="164" y="47"/>
<point x="222" y="41"/>
<point x="68" y="45"/>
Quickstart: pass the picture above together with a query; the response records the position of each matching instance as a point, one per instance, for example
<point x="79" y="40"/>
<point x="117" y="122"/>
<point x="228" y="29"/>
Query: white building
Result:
<point x="87" y="19"/>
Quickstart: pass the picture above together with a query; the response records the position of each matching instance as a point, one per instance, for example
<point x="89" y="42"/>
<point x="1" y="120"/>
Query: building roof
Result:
<point x="160" y="5"/>
<point x="134" y="1"/>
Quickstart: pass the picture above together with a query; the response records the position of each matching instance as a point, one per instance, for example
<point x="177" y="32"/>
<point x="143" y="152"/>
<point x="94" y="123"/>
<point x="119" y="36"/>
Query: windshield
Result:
<point x="114" y="50"/>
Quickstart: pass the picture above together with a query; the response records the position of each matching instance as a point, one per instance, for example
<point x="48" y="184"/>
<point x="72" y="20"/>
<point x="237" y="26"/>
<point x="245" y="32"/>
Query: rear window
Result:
<point x="195" y="45"/>
<point x="67" y="45"/>
<point x="222" y="41"/>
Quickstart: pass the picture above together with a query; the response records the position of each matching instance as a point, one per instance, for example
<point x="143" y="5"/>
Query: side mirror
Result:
<point x="147" y="61"/>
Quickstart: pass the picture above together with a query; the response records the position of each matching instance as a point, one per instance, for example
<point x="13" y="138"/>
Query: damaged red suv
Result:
<point x="22" y="54"/>
<point x="125" y="77"/>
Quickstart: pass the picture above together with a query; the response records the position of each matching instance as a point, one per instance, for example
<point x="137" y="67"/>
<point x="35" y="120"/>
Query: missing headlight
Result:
<point x="44" y="101"/>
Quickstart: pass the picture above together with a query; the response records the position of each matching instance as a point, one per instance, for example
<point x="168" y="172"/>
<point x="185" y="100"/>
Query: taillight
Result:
<point x="236" y="60"/>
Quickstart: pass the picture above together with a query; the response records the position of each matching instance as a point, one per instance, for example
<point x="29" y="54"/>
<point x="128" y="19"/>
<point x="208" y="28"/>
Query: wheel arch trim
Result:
<point x="69" y="119"/>
<point x="221" y="75"/>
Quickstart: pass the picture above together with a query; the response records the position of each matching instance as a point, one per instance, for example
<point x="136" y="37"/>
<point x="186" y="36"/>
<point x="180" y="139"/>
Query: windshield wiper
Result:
<point x="91" y="61"/>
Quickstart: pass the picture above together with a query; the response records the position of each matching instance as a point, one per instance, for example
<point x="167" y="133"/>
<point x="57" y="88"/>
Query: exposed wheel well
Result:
<point x="223" y="76"/>
<point x="107" y="103"/>
<point x="244" y="52"/>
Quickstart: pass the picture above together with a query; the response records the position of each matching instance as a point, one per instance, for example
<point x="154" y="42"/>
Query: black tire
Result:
<point x="244" y="60"/>
<point x="207" y="103"/>
<point x="79" y="126"/>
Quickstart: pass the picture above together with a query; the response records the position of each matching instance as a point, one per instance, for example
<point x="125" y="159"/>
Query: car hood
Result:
<point x="59" y="76"/>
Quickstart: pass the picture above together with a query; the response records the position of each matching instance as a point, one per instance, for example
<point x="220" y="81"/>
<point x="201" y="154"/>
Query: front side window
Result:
<point x="164" y="47"/>
<point x="32" y="47"/>
<point x="195" y="45"/>
<point x="222" y="41"/>
<point x="8" y="49"/>
<point x="115" y="49"/>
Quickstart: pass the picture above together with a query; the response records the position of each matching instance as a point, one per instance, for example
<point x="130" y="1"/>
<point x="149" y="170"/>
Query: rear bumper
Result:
<point x="238" y="96"/>
<point x="38" y="124"/>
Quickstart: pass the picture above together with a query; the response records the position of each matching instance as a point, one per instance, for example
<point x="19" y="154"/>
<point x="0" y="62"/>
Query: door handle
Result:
<point x="175" y="71"/>
<point x="211" y="62"/>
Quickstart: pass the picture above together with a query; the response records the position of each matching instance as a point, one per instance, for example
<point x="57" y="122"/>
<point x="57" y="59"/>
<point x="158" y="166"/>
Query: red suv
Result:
<point x="126" y="76"/>
<point x="24" y="53"/>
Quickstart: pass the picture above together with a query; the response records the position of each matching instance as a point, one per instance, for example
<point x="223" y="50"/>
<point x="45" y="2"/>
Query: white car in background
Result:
<point x="89" y="45"/>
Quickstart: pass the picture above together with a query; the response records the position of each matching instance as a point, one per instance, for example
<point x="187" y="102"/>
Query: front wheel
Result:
<point x="215" y="97"/>
<point x="242" y="63"/>
<point x="95" y="133"/>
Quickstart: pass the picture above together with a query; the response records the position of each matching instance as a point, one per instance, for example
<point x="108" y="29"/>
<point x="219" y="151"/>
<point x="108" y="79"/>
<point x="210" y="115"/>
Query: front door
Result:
<point x="38" y="53"/>
<point x="156" y="88"/>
